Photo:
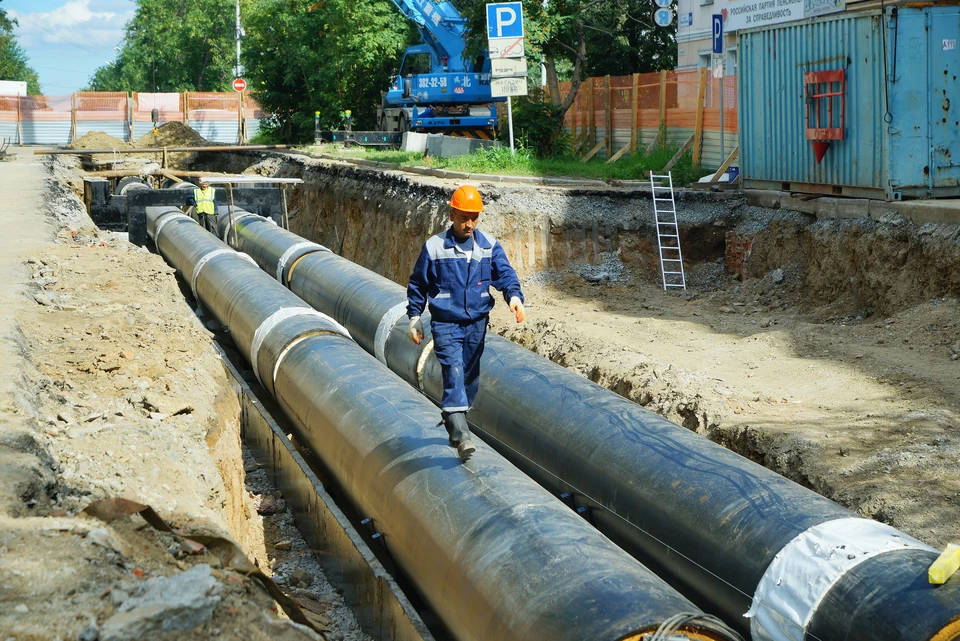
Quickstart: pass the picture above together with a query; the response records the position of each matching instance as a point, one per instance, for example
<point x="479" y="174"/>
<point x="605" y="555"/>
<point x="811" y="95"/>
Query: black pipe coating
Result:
<point x="706" y="519"/>
<point x="496" y="556"/>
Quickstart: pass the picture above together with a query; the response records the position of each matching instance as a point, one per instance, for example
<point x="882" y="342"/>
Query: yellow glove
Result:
<point x="516" y="306"/>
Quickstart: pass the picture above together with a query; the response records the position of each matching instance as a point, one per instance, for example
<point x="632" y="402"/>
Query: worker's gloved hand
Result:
<point x="416" y="330"/>
<point x="516" y="306"/>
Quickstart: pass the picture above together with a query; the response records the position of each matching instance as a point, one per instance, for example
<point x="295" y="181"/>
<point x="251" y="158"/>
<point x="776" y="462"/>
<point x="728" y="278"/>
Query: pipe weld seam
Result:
<point x="231" y="225"/>
<point x="386" y="325"/>
<point x="422" y="362"/>
<point x="805" y="570"/>
<point x="282" y="263"/>
<point x="296" y="341"/>
<point x="166" y="219"/>
<point x="275" y="319"/>
<point x="206" y="258"/>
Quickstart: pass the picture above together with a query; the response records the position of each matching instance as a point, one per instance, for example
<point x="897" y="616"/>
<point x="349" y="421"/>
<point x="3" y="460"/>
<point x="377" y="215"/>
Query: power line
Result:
<point x="63" y="38"/>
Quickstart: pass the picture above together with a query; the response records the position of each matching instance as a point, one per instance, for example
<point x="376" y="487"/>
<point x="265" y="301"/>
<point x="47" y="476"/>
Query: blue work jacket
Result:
<point x="455" y="290"/>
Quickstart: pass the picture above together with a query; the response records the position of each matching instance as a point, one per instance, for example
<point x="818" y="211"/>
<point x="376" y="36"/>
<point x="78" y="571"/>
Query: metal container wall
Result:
<point x="772" y="61"/>
<point x="899" y="139"/>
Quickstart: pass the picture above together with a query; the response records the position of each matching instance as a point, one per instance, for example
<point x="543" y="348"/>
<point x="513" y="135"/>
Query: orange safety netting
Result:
<point x="676" y="91"/>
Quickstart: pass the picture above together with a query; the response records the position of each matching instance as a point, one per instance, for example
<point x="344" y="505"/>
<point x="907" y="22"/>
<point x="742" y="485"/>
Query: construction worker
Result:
<point x="453" y="276"/>
<point x="203" y="201"/>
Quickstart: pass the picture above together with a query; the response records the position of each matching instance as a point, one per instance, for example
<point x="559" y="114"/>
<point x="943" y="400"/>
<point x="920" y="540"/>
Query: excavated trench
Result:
<point x="817" y="297"/>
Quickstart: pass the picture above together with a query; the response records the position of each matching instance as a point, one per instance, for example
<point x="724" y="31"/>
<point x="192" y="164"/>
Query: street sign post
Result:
<point x="508" y="67"/>
<point x="717" y="32"/>
<point x="663" y="17"/>
<point x="505" y="20"/>
<point x="239" y="84"/>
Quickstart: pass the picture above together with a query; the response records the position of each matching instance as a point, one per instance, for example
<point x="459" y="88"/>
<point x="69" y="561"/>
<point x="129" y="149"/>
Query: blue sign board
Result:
<point x="505" y="20"/>
<point x="717" y="33"/>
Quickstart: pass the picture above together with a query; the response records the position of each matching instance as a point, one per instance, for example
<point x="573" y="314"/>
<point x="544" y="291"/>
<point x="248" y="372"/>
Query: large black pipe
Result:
<point x="496" y="556"/>
<point x="730" y="534"/>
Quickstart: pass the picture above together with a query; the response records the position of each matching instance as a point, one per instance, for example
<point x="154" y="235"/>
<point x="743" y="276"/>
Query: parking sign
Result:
<point x="717" y="33"/>
<point x="505" y="20"/>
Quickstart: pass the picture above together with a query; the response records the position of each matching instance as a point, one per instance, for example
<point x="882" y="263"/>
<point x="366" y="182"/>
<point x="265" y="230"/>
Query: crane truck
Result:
<point x="437" y="90"/>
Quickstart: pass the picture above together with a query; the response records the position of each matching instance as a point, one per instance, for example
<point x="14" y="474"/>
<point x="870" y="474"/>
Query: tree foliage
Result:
<point x="14" y="63"/>
<point x="305" y="57"/>
<point x="580" y="38"/>
<point x="174" y="45"/>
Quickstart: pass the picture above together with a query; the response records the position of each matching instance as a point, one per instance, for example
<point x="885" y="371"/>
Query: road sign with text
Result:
<point x="503" y="87"/>
<point x="508" y="67"/>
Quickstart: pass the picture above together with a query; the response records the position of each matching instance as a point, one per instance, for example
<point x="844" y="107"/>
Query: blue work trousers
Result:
<point x="458" y="347"/>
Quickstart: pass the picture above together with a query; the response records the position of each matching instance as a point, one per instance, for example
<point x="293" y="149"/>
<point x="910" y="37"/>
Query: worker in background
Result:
<point x="452" y="277"/>
<point x="202" y="200"/>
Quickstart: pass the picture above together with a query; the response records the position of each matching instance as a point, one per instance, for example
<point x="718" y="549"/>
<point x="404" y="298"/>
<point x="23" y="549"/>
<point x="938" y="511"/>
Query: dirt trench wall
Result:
<point x="863" y="266"/>
<point x="380" y="219"/>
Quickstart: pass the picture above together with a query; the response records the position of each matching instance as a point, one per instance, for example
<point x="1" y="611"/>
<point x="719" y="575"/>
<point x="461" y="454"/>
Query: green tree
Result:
<point x="305" y="57"/>
<point x="14" y="63"/>
<point x="174" y="45"/>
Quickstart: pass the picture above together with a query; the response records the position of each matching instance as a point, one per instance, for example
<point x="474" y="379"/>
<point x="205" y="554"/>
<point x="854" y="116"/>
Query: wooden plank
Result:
<point x="634" y="115"/>
<point x="608" y="117"/>
<point x="678" y="155"/>
<point x="615" y="157"/>
<point x="591" y="114"/>
<point x="656" y="140"/>
<point x="19" y="127"/>
<point x="726" y="164"/>
<point x="698" y="131"/>
<point x="168" y="174"/>
<point x="663" y="98"/>
<point x="593" y="152"/>
<point x="73" y="117"/>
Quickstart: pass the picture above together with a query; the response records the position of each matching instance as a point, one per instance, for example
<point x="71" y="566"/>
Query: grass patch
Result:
<point x="498" y="160"/>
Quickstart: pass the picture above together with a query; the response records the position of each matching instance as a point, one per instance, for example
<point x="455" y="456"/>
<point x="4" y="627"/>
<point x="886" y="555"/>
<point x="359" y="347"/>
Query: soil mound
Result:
<point x="173" y="134"/>
<point x="98" y="140"/>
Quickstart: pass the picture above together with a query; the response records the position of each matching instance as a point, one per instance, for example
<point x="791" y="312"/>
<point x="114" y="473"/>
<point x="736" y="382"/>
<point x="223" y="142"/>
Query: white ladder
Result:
<point x="668" y="234"/>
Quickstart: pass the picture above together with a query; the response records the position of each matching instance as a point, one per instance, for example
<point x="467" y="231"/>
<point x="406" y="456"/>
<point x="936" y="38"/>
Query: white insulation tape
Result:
<point x="166" y="219"/>
<point x="387" y="323"/>
<point x="273" y="320"/>
<point x="202" y="263"/>
<point x="282" y="263"/>
<point x="805" y="570"/>
<point x="422" y="362"/>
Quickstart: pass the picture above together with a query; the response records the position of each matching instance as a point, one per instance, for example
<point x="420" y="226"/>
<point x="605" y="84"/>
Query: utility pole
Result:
<point x="238" y="34"/>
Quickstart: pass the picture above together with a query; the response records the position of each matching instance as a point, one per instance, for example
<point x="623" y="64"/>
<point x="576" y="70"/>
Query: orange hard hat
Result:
<point x="467" y="198"/>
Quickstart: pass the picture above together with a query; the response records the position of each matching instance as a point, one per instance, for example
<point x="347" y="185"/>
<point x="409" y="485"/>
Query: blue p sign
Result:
<point x="505" y="20"/>
<point x="717" y="33"/>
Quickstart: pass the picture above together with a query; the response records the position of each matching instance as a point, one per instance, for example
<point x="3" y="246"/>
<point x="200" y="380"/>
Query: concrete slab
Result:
<point x="836" y="208"/>
<point x="945" y="211"/>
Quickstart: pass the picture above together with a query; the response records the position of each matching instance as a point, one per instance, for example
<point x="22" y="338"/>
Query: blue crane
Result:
<point x="437" y="90"/>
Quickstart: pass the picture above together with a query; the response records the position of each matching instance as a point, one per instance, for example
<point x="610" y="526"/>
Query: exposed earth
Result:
<point x="115" y="390"/>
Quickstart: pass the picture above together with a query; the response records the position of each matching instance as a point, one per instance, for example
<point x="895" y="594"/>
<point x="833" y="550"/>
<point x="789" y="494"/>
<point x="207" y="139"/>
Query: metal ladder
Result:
<point x="668" y="234"/>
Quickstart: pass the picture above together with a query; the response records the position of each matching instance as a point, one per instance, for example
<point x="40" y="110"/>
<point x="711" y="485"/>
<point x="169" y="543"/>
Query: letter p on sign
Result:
<point x="505" y="20"/>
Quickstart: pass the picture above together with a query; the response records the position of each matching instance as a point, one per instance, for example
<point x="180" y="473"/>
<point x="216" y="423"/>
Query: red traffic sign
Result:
<point x="239" y="84"/>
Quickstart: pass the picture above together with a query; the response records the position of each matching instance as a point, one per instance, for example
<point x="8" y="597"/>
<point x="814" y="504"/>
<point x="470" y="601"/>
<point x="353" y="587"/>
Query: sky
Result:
<point x="66" y="40"/>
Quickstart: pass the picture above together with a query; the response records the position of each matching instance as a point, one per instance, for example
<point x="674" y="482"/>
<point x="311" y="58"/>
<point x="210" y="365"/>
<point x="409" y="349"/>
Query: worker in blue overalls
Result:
<point x="453" y="276"/>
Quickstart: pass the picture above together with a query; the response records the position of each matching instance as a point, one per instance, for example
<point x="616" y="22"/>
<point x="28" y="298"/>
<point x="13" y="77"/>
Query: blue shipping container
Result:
<point x="901" y="134"/>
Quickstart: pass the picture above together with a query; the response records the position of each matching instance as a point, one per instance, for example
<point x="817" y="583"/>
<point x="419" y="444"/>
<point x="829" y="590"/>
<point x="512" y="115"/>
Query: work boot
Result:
<point x="459" y="433"/>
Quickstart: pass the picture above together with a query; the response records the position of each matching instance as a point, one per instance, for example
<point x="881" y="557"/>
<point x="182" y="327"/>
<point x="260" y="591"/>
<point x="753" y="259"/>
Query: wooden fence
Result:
<point x="614" y="116"/>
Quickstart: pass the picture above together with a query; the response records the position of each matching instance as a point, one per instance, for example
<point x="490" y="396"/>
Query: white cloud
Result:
<point x="92" y="24"/>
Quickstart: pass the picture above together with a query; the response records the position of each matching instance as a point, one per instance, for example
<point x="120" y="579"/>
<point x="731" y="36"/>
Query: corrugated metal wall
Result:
<point x="58" y="133"/>
<point x="772" y="62"/>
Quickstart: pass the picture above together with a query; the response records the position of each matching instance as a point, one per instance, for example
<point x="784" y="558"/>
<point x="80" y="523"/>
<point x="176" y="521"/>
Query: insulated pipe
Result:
<point x="736" y="538"/>
<point x="493" y="553"/>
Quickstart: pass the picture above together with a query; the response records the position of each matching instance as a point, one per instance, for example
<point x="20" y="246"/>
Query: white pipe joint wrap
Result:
<point x="272" y="322"/>
<point x="806" y="568"/>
